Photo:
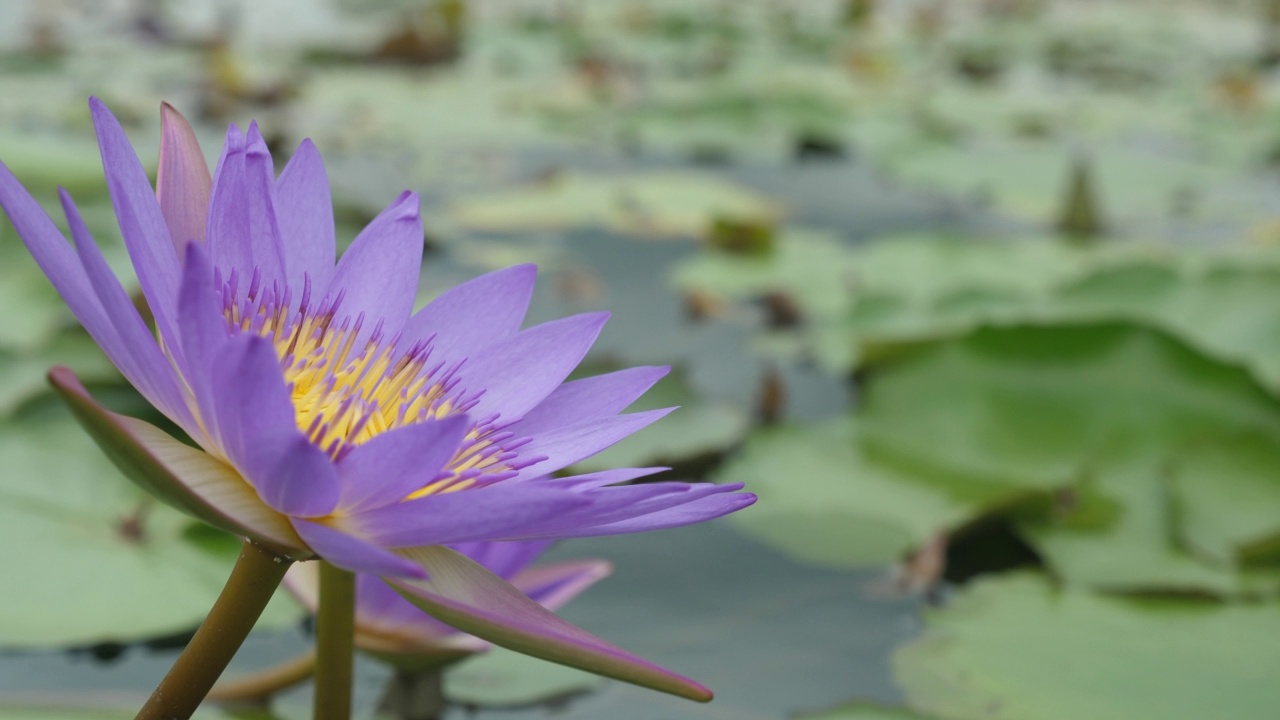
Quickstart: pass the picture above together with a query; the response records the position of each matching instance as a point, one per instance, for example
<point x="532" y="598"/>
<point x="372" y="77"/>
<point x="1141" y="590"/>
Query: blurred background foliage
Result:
<point x="981" y="297"/>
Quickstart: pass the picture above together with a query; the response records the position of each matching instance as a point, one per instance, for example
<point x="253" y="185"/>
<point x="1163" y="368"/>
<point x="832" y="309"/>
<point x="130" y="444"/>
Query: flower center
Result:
<point x="348" y="387"/>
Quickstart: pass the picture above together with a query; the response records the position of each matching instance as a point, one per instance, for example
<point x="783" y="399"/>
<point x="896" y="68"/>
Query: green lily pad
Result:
<point x="1095" y="409"/>
<point x="504" y="678"/>
<point x="863" y="711"/>
<point x="824" y="502"/>
<point x="663" y="204"/>
<point x="1030" y="179"/>
<point x="1228" y="499"/>
<point x="1015" y="648"/>
<point x="813" y="269"/>
<point x="22" y="376"/>
<point x="1132" y="546"/>
<point x="93" y="559"/>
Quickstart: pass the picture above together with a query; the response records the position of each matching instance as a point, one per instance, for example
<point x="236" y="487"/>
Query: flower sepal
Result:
<point x="467" y="596"/>
<point x="179" y="475"/>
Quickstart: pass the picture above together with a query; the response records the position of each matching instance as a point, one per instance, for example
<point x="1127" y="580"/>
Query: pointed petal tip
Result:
<point x="469" y="597"/>
<point x="62" y="377"/>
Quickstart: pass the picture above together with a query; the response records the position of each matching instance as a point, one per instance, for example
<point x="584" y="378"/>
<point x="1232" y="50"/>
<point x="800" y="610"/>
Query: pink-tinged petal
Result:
<point x="463" y="594"/>
<point x="518" y="373"/>
<point x="257" y="429"/>
<point x="377" y="276"/>
<point x="132" y="347"/>
<point x="390" y="466"/>
<point x="146" y="235"/>
<point x="305" y="211"/>
<point x="474" y="315"/>
<point x="183" y="183"/>
<point x="553" y="586"/>
<point x="699" y="510"/>
<point x="564" y="446"/>
<point x="351" y="553"/>
<point x="243" y="232"/>
<point x="492" y="513"/>
<point x="181" y="476"/>
<point x="589" y="399"/>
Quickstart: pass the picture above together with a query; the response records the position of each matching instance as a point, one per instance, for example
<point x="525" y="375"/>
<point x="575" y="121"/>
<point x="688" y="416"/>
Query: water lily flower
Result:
<point x="396" y="631"/>
<point x="331" y="419"/>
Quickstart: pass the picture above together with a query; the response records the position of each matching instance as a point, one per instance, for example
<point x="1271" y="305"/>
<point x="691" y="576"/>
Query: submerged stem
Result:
<point x="335" y="643"/>
<point x="254" y="579"/>
<point x="414" y="695"/>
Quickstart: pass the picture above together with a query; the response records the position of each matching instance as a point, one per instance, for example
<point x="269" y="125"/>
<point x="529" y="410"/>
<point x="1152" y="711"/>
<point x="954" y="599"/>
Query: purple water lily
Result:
<point x="395" y="630"/>
<point x="332" y="420"/>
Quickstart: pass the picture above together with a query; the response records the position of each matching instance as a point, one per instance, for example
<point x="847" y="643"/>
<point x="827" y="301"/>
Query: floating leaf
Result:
<point x="1015" y="648"/>
<point x="1092" y="407"/>
<point x="823" y="501"/>
<point x="92" y="558"/>
<point x="1228" y="498"/>
<point x="863" y="711"/>
<point x="809" y="267"/>
<point x="653" y="204"/>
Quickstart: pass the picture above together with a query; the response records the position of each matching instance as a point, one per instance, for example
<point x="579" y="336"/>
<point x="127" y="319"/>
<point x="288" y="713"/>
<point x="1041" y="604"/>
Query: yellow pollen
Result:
<point x="344" y="395"/>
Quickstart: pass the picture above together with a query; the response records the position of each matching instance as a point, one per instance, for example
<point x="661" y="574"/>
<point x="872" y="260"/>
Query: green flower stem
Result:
<point x="253" y="581"/>
<point x="335" y="643"/>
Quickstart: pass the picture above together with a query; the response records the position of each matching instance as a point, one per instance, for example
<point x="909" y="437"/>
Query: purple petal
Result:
<point x="553" y="586"/>
<point x="612" y="505"/>
<point x="351" y="553"/>
<point x="204" y="333"/>
<point x="378" y="275"/>
<point x="567" y="445"/>
<point x="258" y="431"/>
<point x="498" y="512"/>
<point x="380" y="607"/>
<point x="589" y="399"/>
<point x="474" y="315"/>
<point x="130" y="344"/>
<point x="181" y="476"/>
<point x="243" y="232"/>
<point x="305" y="210"/>
<point x="503" y="559"/>
<point x="146" y="235"/>
<point x="603" y="478"/>
<point x="518" y="373"/>
<point x="390" y="466"/>
<point x="699" y="510"/>
<point x="183" y="183"/>
<point x="465" y="595"/>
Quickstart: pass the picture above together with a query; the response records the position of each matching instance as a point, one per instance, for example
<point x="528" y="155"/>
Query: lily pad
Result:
<point x="93" y="559"/>
<point x="863" y="711"/>
<point x="824" y="502"/>
<point x="1091" y="409"/>
<point x="1015" y="648"/>
<point x="504" y="678"/>
<point x="811" y="268"/>
<point x="22" y="376"/>
<point x="1228" y="499"/>
<point x="662" y="204"/>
